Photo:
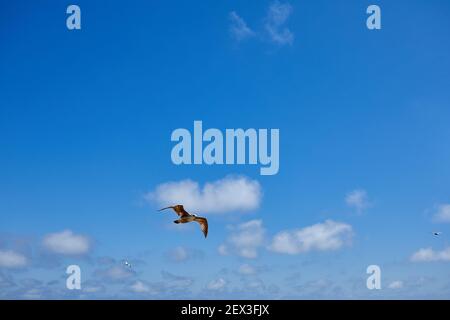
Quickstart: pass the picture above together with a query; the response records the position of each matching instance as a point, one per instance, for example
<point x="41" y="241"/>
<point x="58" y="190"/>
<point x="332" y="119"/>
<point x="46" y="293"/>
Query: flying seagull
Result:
<point x="127" y="264"/>
<point x="185" y="217"/>
<point x="437" y="233"/>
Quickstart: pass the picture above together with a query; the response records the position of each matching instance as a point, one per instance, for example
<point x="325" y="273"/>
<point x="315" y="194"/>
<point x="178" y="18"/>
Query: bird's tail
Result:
<point x="171" y="207"/>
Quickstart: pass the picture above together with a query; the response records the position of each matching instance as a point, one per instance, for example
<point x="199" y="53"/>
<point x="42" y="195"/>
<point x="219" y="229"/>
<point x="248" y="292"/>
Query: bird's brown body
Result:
<point x="185" y="217"/>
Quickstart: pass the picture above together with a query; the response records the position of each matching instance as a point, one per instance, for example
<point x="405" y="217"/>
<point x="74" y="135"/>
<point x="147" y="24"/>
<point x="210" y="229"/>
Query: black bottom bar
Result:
<point x="228" y="309"/>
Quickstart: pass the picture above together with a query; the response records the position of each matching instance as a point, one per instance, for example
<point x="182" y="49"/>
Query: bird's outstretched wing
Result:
<point x="179" y="210"/>
<point x="203" y="224"/>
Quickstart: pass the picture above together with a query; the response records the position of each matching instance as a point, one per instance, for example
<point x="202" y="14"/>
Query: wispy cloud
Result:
<point x="275" y="28"/>
<point x="246" y="269"/>
<point x="170" y="286"/>
<point x="6" y="282"/>
<point x="66" y="243"/>
<point x="217" y="285"/>
<point x="231" y="194"/>
<point x="319" y="289"/>
<point x="222" y="250"/>
<point x="11" y="259"/>
<point x="183" y="254"/>
<point x="277" y="16"/>
<point x="245" y="239"/>
<point x="329" y="235"/>
<point x="142" y="287"/>
<point x="91" y="287"/>
<point x="115" y="273"/>
<point x="395" y="285"/>
<point x="33" y="294"/>
<point x="238" y="27"/>
<point x="358" y="200"/>
<point x="429" y="255"/>
<point x="442" y="214"/>
<point x="173" y="281"/>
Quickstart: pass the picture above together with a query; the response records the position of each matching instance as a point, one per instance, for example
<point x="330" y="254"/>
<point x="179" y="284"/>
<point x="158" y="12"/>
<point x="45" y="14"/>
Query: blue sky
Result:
<point x="85" y="123"/>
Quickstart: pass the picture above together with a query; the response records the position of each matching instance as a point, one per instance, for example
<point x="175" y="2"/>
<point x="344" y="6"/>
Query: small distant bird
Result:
<point x="437" y="233"/>
<point x="185" y="217"/>
<point x="127" y="264"/>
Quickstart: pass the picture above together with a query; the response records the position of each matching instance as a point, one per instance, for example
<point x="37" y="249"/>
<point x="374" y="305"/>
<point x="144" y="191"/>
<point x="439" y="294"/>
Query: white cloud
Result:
<point x="116" y="273"/>
<point x="358" y="200"/>
<point x="140" y="287"/>
<point x="174" y="281"/>
<point x="277" y="16"/>
<point x="93" y="289"/>
<point x="226" y="195"/>
<point x="429" y="255"/>
<point x="443" y="213"/>
<point x="246" y="269"/>
<point x="179" y="254"/>
<point x="11" y="259"/>
<point x="33" y="294"/>
<point x="66" y="243"/>
<point x="325" y="236"/>
<point x="182" y="254"/>
<point x="395" y="285"/>
<point x="216" y="285"/>
<point x="222" y="249"/>
<point x="245" y="239"/>
<point x="238" y="28"/>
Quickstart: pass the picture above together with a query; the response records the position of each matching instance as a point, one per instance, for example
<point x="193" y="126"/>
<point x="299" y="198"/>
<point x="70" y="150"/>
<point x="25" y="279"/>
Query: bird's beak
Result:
<point x="171" y="207"/>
